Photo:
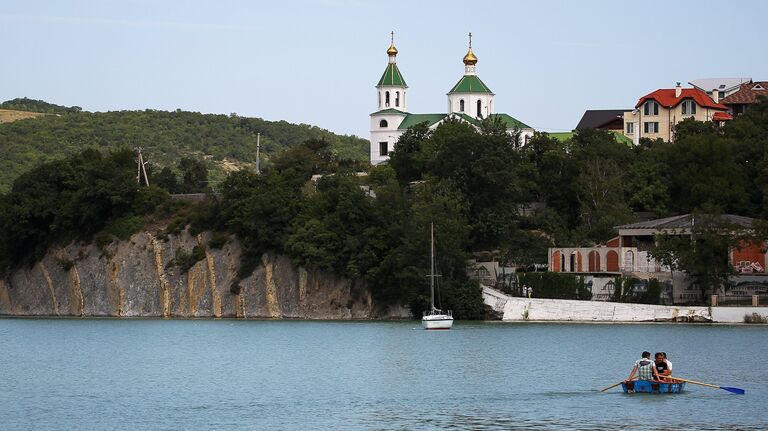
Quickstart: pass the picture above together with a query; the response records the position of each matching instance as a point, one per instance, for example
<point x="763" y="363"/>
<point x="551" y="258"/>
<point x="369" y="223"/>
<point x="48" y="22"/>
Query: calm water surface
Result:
<point x="231" y="375"/>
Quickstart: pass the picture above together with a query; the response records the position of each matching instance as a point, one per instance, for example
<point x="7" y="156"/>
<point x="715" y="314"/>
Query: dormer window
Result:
<point x="758" y="87"/>
<point x="651" y="108"/>
<point x="383" y="123"/>
<point x="689" y="107"/>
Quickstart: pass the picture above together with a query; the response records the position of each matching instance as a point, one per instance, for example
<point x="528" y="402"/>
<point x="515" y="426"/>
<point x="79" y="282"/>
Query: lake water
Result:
<point x="232" y="375"/>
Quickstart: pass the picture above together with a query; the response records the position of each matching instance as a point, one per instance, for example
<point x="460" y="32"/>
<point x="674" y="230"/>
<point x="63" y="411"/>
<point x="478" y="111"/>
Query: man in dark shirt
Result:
<point x="661" y="366"/>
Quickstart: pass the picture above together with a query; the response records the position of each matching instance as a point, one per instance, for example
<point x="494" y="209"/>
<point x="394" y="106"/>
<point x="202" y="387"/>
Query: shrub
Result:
<point x="553" y="285"/>
<point x="186" y="260"/>
<point x="124" y="227"/>
<point x="755" y="318"/>
<point x="65" y="264"/>
<point x="217" y="240"/>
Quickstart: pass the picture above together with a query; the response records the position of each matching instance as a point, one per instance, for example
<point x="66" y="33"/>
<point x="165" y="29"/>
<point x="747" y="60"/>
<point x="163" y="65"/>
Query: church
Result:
<point x="469" y="100"/>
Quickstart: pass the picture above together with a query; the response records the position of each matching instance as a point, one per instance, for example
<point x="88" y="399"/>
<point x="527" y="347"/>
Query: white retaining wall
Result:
<point x="521" y="309"/>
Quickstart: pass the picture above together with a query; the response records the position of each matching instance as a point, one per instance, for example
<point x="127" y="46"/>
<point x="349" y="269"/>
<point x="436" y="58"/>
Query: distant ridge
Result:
<point x="166" y="137"/>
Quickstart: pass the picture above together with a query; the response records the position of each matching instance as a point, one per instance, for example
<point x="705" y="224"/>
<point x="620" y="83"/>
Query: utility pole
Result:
<point x="258" y="149"/>
<point x="140" y="168"/>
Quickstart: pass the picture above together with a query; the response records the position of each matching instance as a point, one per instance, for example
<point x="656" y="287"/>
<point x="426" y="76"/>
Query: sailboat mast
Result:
<point x="432" y="264"/>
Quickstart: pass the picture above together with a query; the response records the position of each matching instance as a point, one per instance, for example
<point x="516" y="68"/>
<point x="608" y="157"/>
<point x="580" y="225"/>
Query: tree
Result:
<point x="194" y="175"/>
<point x="703" y="254"/>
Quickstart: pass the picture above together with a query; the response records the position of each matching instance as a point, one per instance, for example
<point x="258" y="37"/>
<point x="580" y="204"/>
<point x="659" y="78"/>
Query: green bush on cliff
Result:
<point x="72" y="199"/>
<point x="185" y="260"/>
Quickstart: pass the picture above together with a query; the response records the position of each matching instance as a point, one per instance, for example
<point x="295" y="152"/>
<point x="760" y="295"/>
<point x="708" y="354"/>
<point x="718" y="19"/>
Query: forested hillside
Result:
<point x="225" y="141"/>
<point x="472" y="183"/>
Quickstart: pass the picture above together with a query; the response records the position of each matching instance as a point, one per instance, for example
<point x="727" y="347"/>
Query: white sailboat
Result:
<point x="434" y="318"/>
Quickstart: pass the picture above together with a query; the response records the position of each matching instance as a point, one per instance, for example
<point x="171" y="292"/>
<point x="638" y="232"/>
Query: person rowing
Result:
<point x="645" y="369"/>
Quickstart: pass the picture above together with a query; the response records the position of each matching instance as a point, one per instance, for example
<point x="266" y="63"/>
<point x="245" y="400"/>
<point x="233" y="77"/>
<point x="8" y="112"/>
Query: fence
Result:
<point x="739" y="300"/>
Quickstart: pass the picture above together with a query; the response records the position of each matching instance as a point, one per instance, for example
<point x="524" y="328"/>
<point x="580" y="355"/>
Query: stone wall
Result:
<point x="536" y="309"/>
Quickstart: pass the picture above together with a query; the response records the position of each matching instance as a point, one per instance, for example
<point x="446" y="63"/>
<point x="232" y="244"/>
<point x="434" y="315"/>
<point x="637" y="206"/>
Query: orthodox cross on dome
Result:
<point x="392" y="51"/>
<point x="470" y="40"/>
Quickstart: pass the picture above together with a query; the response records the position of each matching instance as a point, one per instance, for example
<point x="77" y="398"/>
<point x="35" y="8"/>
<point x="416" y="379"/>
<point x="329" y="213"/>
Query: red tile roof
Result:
<point x="666" y="97"/>
<point x="721" y="116"/>
<point x="746" y="94"/>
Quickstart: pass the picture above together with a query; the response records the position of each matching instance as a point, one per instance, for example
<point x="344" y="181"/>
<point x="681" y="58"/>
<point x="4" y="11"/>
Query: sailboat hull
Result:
<point x="437" y="321"/>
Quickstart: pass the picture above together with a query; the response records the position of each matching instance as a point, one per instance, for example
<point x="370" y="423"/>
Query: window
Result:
<point x="651" y="108"/>
<point x="689" y="107"/>
<point x="383" y="123"/>
<point x="479" y="112"/>
<point x="461" y="105"/>
<point x="630" y="128"/>
<point x="720" y="95"/>
<point x="383" y="148"/>
<point x="379" y="100"/>
<point x="386" y="99"/>
<point x="651" y="127"/>
<point x="397" y="98"/>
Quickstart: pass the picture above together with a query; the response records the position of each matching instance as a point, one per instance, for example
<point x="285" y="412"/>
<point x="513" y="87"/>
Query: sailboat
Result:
<point x="434" y="318"/>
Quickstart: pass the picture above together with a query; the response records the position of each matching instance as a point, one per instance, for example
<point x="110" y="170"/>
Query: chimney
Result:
<point x="715" y="95"/>
<point x="678" y="90"/>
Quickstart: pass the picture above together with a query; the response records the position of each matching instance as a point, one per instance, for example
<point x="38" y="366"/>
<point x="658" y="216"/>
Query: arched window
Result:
<point x="397" y="99"/>
<point x="386" y="99"/>
<point x="479" y="112"/>
<point x="379" y="100"/>
<point x="461" y="105"/>
<point x="383" y="123"/>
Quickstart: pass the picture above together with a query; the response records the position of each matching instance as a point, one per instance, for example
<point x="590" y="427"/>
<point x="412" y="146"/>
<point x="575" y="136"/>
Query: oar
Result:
<point x="729" y="389"/>
<point x="612" y="386"/>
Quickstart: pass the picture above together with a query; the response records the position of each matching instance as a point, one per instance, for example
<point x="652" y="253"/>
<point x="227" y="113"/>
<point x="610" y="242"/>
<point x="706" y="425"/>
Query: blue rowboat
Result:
<point x="652" y="387"/>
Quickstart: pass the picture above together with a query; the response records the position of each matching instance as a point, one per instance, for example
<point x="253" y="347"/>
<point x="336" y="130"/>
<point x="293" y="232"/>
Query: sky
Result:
<point x="317" y="62"/>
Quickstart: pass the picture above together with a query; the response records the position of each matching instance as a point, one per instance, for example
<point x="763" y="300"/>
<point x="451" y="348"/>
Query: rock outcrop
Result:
<point x="138" y="278"/>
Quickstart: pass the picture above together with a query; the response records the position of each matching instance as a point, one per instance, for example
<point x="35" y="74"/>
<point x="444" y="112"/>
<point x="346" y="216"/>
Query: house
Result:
<point x="747" y="94"/>
<point x="608" y="119"/>
<point x="629" y="254"/>
<point x="719" y="88"/>
<point x="656" y="113"/>
<point x="469" y="100"/>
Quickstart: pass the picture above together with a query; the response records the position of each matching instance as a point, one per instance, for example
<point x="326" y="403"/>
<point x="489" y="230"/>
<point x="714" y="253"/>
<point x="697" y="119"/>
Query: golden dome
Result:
<point x="392" y="50"/>
<point x="470" y="58"/>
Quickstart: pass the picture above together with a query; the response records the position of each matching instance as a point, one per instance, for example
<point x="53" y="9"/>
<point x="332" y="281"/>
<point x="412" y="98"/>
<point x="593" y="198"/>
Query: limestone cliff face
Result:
<point x="138" y="278"/>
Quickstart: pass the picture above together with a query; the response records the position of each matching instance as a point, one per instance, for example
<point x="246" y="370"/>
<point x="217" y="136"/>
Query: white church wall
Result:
<point x="389" y="134"/>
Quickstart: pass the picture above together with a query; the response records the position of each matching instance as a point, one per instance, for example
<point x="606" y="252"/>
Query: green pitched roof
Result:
<point x="390" y="111"/>
<point x="414" y="119"/>
<point x="392" y="77"/>
<point x="510" y="121"/>
<point x="470" y="84"/>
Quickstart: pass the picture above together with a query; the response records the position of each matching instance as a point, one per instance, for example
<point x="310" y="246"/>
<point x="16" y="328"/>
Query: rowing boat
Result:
<point x="652" y="387"/>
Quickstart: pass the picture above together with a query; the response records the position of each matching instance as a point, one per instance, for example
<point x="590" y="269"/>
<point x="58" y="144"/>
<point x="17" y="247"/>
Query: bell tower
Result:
<point x="390" y="108"/>
<point x="470" y="96"/>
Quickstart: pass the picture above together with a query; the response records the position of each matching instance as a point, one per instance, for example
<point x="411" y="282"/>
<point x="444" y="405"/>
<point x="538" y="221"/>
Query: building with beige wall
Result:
<point x="656" y="113"/>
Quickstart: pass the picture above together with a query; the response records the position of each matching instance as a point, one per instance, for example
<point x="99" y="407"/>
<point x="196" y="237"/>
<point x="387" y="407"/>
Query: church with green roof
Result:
<point x="469" y="100"/>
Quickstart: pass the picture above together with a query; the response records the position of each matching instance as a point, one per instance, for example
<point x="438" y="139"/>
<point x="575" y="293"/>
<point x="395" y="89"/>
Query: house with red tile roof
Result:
<point x="656" y="113"/>
<point x="748" y="94"/>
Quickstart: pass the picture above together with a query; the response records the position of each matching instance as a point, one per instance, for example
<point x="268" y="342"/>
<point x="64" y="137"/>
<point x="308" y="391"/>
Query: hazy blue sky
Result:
<point x="318" y="62"/>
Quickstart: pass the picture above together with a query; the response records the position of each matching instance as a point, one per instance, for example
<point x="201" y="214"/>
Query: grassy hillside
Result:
<point x="226" y="141"/>
<point x="11" y="115"/>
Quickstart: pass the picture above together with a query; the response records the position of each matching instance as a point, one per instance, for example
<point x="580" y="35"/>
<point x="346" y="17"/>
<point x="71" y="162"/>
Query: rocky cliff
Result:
<point x="139" y="278"/>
